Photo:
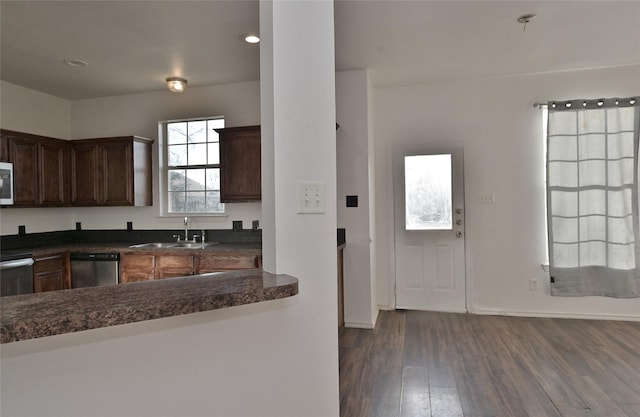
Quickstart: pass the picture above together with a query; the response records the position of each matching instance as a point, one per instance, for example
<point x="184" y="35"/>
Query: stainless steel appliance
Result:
<point x="16" y="274"/>
<point x="6" y="183"/>
<point x="94" y="269"/>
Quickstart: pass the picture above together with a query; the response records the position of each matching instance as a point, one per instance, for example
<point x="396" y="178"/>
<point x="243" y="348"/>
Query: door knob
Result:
<point x="458" y="235"/>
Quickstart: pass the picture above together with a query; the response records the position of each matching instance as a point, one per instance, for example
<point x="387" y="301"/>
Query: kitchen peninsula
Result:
<point x="31" y="316"/>
<point x="200" y="288"/>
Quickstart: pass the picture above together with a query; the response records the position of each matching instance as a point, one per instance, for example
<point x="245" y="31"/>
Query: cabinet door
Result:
<point x="218" y="263"/>
<point x="40" y="166"/>
<point x="85" y="175"/>
<point x="4" y="148"/>
<point x="168" y="266"/>
<point x="117" y="173"/>
<point x="53" y="166"/>
<point x="51" y="281"/>
<point x="24" y="155"/>
<point x="135" y="267"/>
<point x="240" y="164"/>
<point x="50" y="273"/>
<point x="111" y="172"/>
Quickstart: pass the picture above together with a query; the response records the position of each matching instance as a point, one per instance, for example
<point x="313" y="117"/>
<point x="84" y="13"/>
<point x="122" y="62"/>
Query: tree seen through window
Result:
<point x="193" y="160"/>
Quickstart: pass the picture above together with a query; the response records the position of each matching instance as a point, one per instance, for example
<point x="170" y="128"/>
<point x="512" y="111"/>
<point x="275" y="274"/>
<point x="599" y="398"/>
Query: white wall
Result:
<point x="501" y="132"/>
<point x="242" y="361"/>
<point x="299" y="108"/>
<point x="30" y="111"/>
<point x="136" y="114"/>
<point x="353" y="165"/>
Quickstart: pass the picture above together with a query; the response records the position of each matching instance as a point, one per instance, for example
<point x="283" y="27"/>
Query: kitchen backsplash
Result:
<point x="34" y="240"/>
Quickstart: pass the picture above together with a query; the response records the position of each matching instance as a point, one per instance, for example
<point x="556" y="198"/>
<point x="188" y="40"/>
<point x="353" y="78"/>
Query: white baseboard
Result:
<point x="375" y="318"/>
<point x="356" y="325"/>
<point x="364" y="325"/>
<point x="558" y="315"/>
<point x="444" y="310"/>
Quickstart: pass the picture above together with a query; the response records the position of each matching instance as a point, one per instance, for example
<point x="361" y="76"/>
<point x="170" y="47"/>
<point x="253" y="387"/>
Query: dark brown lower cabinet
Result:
<point x="144" y="267"/>
<point x="51" y="272"/>
<point x="169" y="266"/>
<point x="136" y="267"/>
<point x="219" y="263"/>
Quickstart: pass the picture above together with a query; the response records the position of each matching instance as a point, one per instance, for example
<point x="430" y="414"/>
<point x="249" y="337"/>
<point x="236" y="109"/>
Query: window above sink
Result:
<point x="190" y="167"/>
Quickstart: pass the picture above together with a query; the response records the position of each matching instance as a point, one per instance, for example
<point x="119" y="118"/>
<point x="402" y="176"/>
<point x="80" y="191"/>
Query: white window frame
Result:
<point x="163" y="170"/>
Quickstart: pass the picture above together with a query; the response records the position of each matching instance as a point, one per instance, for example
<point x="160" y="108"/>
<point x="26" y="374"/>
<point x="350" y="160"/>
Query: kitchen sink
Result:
<point x="155" y="245"/>
<point x="174" y="245"/>
<point x="193" y="245"/>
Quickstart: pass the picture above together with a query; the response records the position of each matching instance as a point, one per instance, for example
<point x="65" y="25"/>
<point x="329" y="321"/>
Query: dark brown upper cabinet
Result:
<point x="40" y="168"/>
<point x="240" y="164"/>
<point x="4" y="147"/>
<point x="111" y="172"/>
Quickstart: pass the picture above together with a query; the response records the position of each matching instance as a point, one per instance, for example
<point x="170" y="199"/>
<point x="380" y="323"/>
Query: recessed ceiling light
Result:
<point x="251" y="38"/>
<point x="75" y="63"/>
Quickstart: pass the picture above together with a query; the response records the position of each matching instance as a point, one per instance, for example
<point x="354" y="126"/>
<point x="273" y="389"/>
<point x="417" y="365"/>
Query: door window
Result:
<point x="428" y="202"/>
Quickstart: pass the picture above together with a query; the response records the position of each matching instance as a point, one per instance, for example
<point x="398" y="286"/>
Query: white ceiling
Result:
<point x="132" y="46"/>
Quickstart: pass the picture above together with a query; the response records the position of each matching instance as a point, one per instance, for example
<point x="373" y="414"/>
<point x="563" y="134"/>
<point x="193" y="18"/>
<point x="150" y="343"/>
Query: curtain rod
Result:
<point x="592" y="103"/>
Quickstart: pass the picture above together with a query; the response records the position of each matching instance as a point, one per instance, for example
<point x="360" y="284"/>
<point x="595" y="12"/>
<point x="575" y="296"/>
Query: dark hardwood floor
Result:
<point x="452" y="365"/>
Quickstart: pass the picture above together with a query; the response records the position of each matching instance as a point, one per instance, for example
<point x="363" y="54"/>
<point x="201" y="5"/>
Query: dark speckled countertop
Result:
<point x="228" y="248"/>
<point x="31" y="316"/>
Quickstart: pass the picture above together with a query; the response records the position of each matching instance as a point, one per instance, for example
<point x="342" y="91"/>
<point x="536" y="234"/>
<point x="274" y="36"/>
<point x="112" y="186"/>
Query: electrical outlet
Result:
<point x="533" y="284"/>
<point x="488" y="198"/>
<point x="311" y="197"/>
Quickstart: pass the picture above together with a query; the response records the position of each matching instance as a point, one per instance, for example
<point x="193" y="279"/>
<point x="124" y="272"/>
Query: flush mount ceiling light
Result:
<point x="75" y="63"/>
<point x="251" y="38"/>
<point x="526" y="18"/>
<point x="176" y="84"/>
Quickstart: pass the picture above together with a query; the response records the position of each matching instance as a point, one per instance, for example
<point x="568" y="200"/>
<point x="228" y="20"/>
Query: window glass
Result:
<point x="176" y="133"/>
<point x="197" y="154"/>
<point x="192" y="168"/>
<point x="428" y="199"/>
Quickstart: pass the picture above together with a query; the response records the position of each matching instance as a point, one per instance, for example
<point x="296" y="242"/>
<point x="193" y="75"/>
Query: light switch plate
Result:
<point x="488" y="198"/>
<point x="311" y="198"/>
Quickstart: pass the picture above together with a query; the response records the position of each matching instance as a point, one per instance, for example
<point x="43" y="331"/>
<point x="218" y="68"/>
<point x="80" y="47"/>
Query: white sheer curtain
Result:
<point x="592" y="197"/>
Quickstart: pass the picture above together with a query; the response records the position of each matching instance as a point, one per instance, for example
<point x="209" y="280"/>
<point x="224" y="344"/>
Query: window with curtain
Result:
<point x="592" y="197"/>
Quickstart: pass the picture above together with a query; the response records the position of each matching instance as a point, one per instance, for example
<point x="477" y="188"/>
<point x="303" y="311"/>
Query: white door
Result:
<point x="429" y="232"/>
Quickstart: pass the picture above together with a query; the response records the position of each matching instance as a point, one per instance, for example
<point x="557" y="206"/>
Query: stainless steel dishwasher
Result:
<point x="94" y="269"/>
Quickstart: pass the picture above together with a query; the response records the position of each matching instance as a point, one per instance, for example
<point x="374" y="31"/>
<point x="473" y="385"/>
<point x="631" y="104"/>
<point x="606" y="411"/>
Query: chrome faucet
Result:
<point x="186" y="232"/>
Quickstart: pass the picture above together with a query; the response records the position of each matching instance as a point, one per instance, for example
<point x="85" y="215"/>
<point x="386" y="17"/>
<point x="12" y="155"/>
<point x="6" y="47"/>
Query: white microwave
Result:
<point x="6" y="183"/>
